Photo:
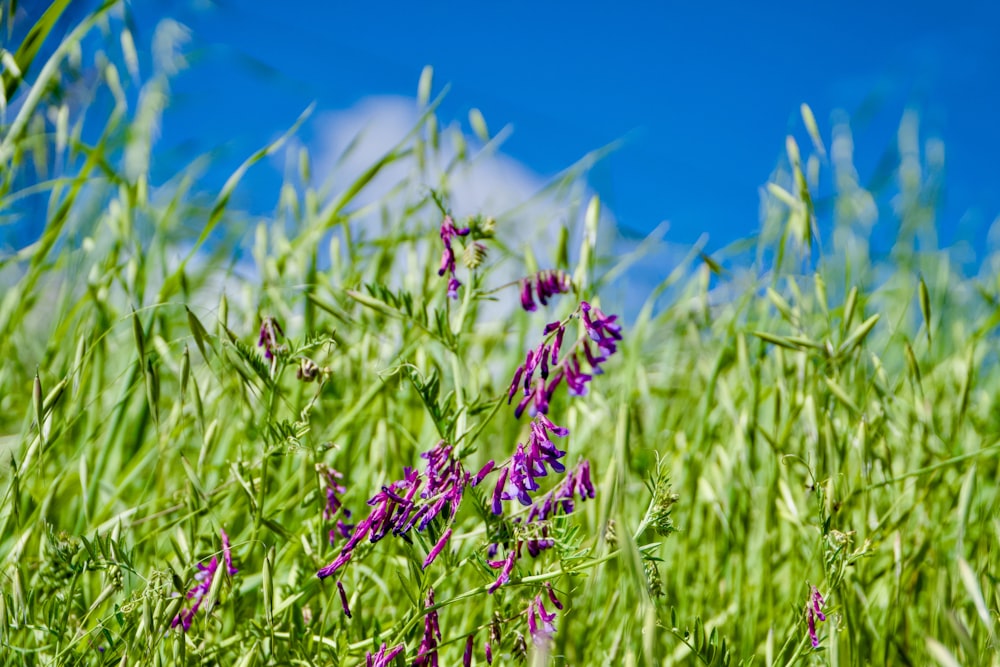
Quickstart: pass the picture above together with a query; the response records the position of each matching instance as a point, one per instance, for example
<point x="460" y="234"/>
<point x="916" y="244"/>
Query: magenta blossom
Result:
<point x="204" y="577"/>
<point x="506" y="567"/>
<point x="576" y="483"/>
<point x="269" y="332"/>
<point x="411" y="503"/>
<point x="427" y="654"/>
<point x="384" y="656"/>
<point x="814" y="613"/>
<point x="334" y="505"/>
<point x="541" y="624"/>
<point x="448" y="233"/>
<point x="546" y="366"/>
<point x="529" y="462"/>
<point x="544" y="285"/>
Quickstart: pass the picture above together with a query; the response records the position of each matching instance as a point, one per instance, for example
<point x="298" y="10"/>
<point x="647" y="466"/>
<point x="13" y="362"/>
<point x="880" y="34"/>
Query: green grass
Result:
<point x="790" y="415"/>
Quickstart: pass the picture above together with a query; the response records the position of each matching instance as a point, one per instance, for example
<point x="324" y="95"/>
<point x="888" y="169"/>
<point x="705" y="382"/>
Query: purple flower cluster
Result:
<point x="427" y="655"/>
<point x="383" y="657"/>
<point x="204" y="578"/>
<point x="412" y="502"/>
<point x="269" y="332"/>
<point x="540" y="621"/>
<point x="601" y="341"/>
<point x="559" y="500"/>
<point x="577" y="482"/>
<point x="814" y="613"/>
<point x="448" y="232"/>
<point x="334" y="505"/>
<point x="544" y="285"/>
<point x="529" y="463"/>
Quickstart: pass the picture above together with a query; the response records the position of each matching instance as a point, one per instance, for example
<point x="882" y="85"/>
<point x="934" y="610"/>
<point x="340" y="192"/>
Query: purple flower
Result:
<point x="467" y="655"/>
<point x="334" y="505"/>
<point x="529" y="462"/>
<point x="560" y="500"/>
<point x="269" y="332"/>
<point x="338" y="562"/>
<point x="333" y="488"/>
<point x="342" y="529"/>
<point x="498" y="490"/>
<point x="448" y="232"/>
<point x="383" y="658"/>
<point x="540" y="622"/>
<point x="814" y="613"/>
<point x="412" y="502"/>
<point x="552" y="596"/>
<point x="204" y="577"/>
<point x="227" y="555"/>
<point x="601" y="328"/>
<point x="343" y="598"/>
<point x="538" y="543"/>
<point x="506" y="567"/>
<point x="544" y="284"/>
<point x="483" y="472"/>
<point x="427" y="653"/>
<point x="600" y="342"/>
<point x="437" y="548"/>
<point x="576" y="483"/>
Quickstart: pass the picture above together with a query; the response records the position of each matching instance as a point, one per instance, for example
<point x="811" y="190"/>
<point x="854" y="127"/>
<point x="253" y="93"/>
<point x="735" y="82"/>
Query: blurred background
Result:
<point x="700" y="96"/>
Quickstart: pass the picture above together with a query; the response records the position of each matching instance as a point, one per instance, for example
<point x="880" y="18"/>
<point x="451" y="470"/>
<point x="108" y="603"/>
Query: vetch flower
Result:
<point x="483" y="472"/>
<point x="552" y="596"/>
<point x="412" y="502"/>
<point x="338" y="562"/>
<point x="227" y="555"/>
<point x="333" y="488"/>
<point x="453" y="285"/>
<point x="538" y="542"/>
<point x="384" y="657"/>
<point x="540" y="623"/>
<point x="814" y="613"/>
<point x="343" y="598"/>
<point x="602" y="334"/>
<point x="529" y="462"/>
<point x="467" y="654"/>
<point x="544" y="285"/>
<point x="334" y="505"/>
<point x="427" y="653"/>
<point x="506" y="567"/>
<point x="448" y="232"/>
<point x="204" y="577"/>
<point x="494" y="637"/>
<point x="437" y="548"/>
<point x="533" y="530"/>
<point x="601" y="328"/>
<point x="576" y="483"/>
<point x="269" y="332"/>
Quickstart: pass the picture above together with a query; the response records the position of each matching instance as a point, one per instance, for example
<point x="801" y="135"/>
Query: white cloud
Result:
<point x="490" y="182"/>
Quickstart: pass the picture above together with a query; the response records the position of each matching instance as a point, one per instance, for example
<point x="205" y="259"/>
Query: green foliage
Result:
<point x="774" y="420"/>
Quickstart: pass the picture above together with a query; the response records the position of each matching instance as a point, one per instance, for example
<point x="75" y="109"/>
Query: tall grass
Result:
<point x="800" y="415"/>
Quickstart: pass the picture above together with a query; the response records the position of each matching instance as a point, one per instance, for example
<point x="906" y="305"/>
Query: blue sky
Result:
<point x="702" y="93"/>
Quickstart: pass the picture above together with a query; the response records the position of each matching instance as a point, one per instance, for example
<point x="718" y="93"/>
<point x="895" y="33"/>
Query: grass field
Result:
<point x="791" y="433"/>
